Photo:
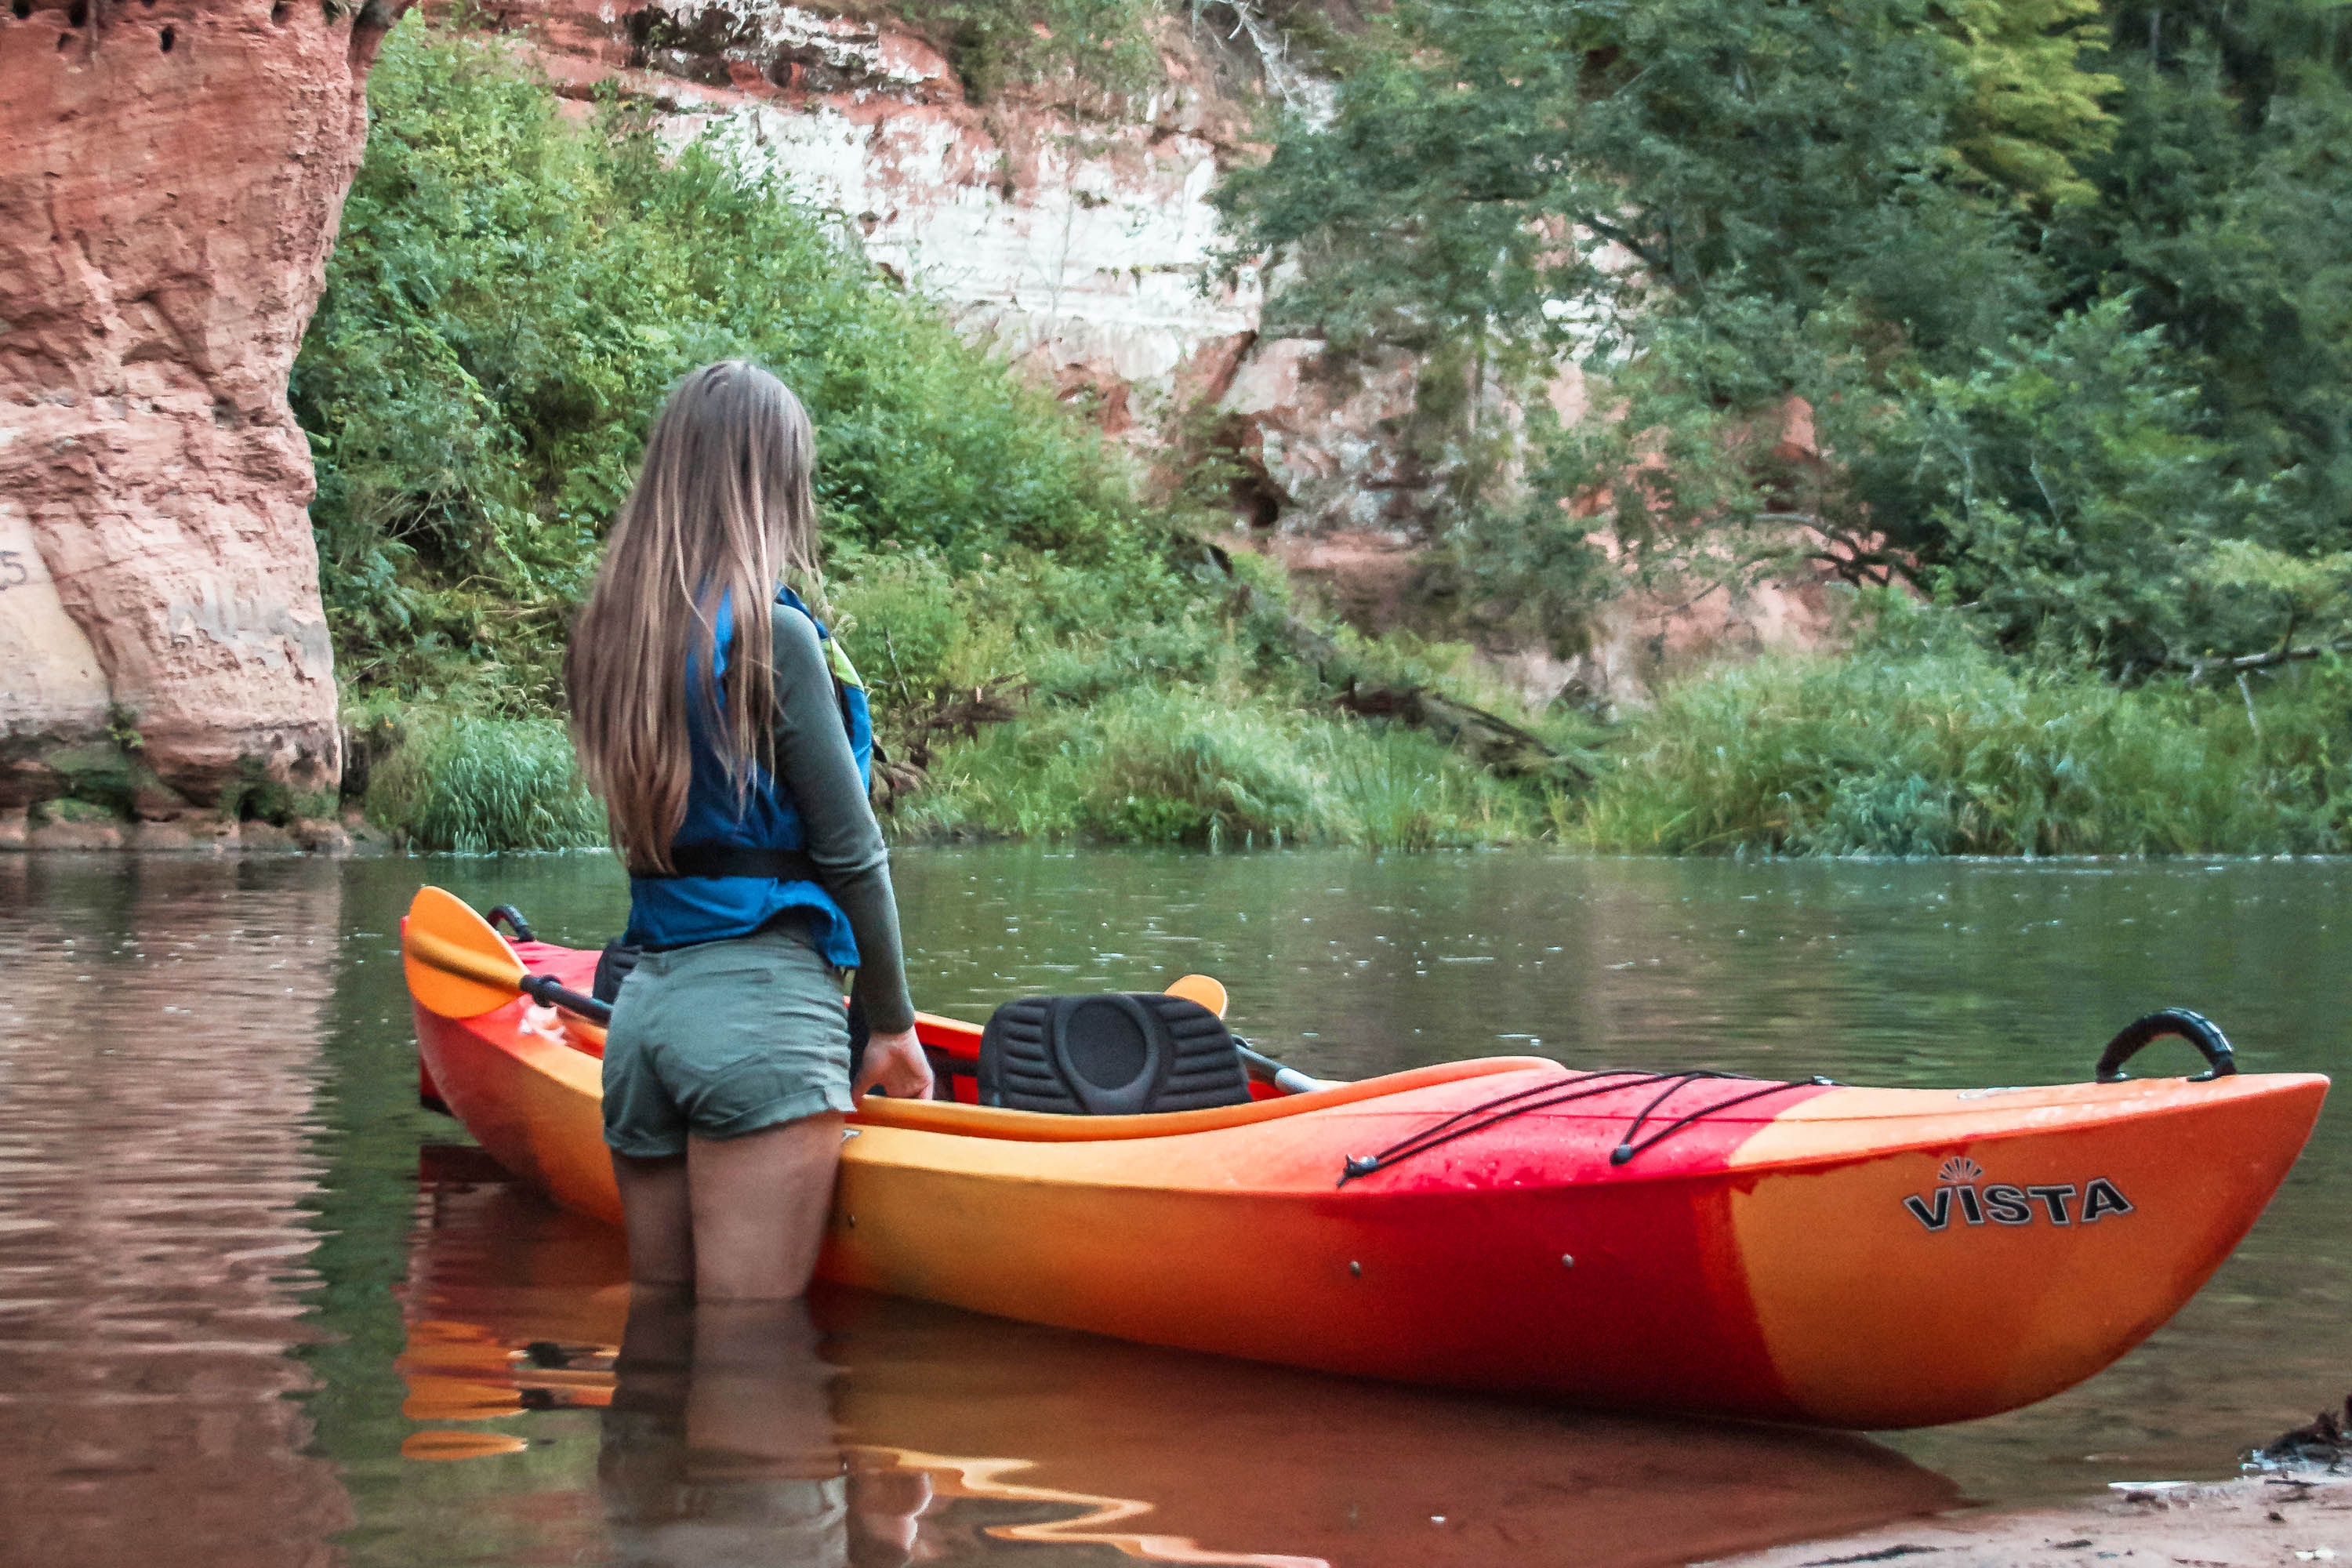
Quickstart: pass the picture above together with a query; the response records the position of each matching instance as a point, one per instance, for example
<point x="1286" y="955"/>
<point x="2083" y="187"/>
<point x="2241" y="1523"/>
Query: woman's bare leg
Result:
<point x="659" y="1220"/>
<point x="759" y="1203"/>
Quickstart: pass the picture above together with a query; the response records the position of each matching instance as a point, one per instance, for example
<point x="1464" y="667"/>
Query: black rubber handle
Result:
<point x="514" y="922"/>
<point x="545" y="990"/>
<point x="2195" y="1027"/>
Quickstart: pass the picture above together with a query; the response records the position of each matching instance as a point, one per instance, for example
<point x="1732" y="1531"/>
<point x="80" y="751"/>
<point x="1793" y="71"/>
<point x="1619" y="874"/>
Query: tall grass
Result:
<point x="1219" y="767"/>
<point x="1903" y="752"/>
<point x="474" y="784"/>
<point x="1916" y="744"/>
<point x="1213" y="765"/>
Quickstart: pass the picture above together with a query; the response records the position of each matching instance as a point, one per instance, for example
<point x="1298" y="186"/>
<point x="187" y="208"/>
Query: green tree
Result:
<point x="2066" y="291"/>
<point x="1721" y="204"/>
<point x="2226" y="214"/>
<point x="2031" y="113"/>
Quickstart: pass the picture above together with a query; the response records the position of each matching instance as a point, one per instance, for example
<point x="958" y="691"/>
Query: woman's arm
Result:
<point x="815" y="762"/>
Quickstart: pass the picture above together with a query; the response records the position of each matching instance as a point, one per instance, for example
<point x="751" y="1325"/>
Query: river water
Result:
<point x="256" y="1307"/>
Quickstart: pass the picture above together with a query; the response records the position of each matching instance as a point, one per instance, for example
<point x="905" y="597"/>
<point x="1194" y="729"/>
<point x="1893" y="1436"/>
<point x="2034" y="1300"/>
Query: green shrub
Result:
<point x="1919" y="742"/>
<point x="919" y="629"/>
<point x="1215" y="766"/>
<point x="1400" y="790"/>
<point x="475" y="784"/>
<point x="1101" y="43"/>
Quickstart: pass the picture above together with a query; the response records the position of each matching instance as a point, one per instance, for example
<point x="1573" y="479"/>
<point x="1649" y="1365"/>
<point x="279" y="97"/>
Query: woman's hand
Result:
<point x="895" y="1064"/>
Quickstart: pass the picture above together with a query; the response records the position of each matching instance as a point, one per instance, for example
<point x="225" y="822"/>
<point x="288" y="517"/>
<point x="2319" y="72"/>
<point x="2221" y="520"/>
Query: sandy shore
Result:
<point x="2231" y="1524"/>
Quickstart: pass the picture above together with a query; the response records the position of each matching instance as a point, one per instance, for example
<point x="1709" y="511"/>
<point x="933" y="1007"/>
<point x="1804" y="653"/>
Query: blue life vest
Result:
<point x="674" y="911"/>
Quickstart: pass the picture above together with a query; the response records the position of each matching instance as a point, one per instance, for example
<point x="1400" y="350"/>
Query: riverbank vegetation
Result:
<point x="2054" y="280"/>
<point x="1918" y="740"/>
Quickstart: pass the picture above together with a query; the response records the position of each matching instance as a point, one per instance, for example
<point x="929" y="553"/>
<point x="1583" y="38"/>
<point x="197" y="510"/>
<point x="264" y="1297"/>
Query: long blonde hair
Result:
<point x="722" y="508"/>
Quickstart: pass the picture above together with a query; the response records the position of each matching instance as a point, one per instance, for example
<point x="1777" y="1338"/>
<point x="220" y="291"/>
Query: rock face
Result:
<point x="1321" y="443"/>
<point x="1070" y="229"/>
<point x="173" y="177"/>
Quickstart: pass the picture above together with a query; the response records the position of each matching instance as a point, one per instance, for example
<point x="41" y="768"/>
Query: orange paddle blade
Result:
<point x="458" y="966"/>
<point x="1205" y="989"/>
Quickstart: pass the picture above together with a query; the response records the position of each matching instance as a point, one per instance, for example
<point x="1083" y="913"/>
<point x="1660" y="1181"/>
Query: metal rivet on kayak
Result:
<point x="1356" y="1269"/>
<point x="850" y="1220"/>
<point x="1567" y="1260"/>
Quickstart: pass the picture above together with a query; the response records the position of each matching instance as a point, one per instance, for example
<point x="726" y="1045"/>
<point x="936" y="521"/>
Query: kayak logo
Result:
<point x="1962" y="1188"/>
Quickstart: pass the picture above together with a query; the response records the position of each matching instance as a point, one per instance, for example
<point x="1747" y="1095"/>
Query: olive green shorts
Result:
<point x="724" y="1038"/>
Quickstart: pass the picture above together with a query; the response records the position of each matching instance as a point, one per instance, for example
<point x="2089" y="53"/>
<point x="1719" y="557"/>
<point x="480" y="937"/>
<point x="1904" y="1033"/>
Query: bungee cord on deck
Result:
<point x="1576" y="1086"/>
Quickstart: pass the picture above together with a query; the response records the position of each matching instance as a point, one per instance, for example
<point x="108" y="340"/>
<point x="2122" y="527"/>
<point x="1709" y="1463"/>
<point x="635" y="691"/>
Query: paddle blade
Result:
<point x="457" y="965"/>
<point x="1205" y="989"/>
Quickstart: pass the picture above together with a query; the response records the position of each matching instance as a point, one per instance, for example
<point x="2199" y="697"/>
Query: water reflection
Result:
<point x="210" y="1200"/>
<point x="881" y="1432"/>
<point x="719" y="1443"/>
<point x="158" y="1059"/>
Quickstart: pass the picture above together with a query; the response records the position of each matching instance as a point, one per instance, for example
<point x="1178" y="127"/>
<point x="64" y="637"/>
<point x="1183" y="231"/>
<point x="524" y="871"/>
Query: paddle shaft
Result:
<point x="1265" y="1069"/>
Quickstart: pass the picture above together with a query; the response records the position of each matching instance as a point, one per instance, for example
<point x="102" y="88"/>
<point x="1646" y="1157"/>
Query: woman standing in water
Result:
<point x="728" y="740"/>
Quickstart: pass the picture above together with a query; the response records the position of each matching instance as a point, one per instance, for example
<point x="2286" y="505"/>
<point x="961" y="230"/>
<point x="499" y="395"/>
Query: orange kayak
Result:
<point x="1858" y="1258"/>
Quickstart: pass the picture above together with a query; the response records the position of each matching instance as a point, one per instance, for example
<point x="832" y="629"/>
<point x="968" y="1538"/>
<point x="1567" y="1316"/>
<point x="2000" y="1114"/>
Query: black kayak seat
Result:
<point x="1113" y="1054"/>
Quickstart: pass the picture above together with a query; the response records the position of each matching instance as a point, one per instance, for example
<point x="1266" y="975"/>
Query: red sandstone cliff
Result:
<point x="171" y="173"/>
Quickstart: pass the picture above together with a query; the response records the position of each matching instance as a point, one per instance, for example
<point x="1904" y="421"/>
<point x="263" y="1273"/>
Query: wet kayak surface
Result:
<point x="259" y="1307"/>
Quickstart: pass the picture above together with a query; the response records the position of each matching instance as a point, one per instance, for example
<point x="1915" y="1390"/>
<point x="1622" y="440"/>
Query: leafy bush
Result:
<point x="1919" y="742"/>
<point x="1213" y="765"/>
<point x="1103" y="44"/>
<point x="919" y="629"/>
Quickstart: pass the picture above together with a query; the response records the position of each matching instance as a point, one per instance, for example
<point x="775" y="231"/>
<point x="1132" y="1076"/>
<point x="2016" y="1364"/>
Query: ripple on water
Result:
<point x="153" y="1166"/>
<point x="166" y="1175"/>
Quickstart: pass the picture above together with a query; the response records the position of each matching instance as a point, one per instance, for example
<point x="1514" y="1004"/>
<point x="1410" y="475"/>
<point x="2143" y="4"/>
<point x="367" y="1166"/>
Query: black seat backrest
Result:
<point x="1118" y="1054"/>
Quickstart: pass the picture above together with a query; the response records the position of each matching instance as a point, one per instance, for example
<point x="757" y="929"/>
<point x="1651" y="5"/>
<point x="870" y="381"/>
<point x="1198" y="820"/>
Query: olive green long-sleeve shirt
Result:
<point x="814" y="764"/>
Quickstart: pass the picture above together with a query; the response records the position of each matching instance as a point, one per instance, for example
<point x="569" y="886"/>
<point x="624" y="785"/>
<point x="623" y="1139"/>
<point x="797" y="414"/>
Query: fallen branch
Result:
<point x="1492" y="741"/>
<point x="966" y="711"/>
<point x="2199" y="668"/>
<point x="951" y="713"/>
<point x="1308" y="644"/>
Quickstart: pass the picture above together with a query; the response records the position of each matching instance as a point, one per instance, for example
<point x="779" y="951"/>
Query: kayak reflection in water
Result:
<point x="720" y="1446"/>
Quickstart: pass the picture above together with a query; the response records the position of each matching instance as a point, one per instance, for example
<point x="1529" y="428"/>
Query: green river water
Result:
<point x="249" y="1290"/>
